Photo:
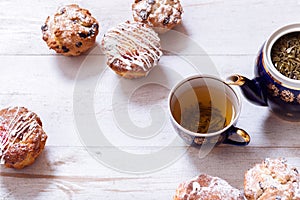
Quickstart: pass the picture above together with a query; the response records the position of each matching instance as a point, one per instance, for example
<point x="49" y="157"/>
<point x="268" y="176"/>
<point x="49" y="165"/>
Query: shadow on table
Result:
<point x="224" y="161"/>
<point x="280" y="132"/>
<point x="181" y="28"/>
<point x="27" y="182"/>
<point x="178" y="42"/>
<point x="70" y="66"/>
<point x="156" y="76"/>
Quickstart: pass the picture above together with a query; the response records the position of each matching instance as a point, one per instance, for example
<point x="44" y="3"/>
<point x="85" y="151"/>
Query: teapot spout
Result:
<point x="253" y="90"/>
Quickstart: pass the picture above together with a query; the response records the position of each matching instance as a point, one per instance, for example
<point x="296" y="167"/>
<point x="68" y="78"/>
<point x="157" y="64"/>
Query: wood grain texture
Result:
<point x="221" y="27"/>
<point x="31" y="75"/>
<point x="58" y="173"/>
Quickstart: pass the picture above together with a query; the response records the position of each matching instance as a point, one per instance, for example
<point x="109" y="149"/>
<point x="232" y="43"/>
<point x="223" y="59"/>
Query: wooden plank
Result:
<point x="47" y="88"/>
<point x="220" y="27"/>
<point x="71" y="173"/>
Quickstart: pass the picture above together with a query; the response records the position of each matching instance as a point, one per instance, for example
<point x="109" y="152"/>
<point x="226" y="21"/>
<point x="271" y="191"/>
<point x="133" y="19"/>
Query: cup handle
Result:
<point x="237" y="131"/>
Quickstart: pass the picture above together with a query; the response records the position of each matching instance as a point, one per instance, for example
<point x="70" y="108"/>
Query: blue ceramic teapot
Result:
<point x="270" y="87"/>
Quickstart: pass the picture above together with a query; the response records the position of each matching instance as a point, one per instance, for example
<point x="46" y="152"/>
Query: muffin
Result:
<point x="163" y="15"/>
<point x="132" y="49"/>
<point x="272" y="179"/>
<point x="205" y="187"/>
<point x="22" y="137"/>
<point x="71" y="31"/>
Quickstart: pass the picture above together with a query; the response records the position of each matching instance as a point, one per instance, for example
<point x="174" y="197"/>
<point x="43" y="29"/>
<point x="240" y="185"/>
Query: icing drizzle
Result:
<point x="13" y="128"/>
<point x="132" y="43"/>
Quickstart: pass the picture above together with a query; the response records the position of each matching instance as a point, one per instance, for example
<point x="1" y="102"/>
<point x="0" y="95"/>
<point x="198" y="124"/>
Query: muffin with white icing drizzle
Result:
<point x="71" y="31"/>
<point x="162" y="15"/>
<point x="22" y="138"/>
<point x="205" y="187"/>
<point x="132" y="49"/>
<point x="272" y="179"/>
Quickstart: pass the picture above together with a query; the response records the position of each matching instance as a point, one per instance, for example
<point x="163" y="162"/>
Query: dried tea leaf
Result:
<point x="285" y="55"/>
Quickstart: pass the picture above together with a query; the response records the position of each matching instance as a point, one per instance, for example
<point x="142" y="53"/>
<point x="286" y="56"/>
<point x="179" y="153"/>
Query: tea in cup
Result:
<point x="204" y="109"/>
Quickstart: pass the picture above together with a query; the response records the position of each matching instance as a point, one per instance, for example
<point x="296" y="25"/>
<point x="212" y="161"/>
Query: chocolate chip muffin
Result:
<point x="71" y="31"/>
<point x="272" y="179"/>
<point x="132" y="49"/>
<point x="205" y="187"/>
<point x="22" y="138"/>
<point x="163" y="15"/>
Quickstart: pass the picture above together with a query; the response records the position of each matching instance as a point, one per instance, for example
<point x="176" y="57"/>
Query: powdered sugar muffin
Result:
<point x="71" y="31"/>
<point x="272" y="179"/>
<point x="205" y="187"/>
<point x="22" y="138"/>
<point x="163" y="15"/>
<point x="132" y="49"/>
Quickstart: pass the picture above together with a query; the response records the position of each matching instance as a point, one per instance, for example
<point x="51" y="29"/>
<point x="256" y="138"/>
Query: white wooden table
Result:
<point x="231" y="32"/>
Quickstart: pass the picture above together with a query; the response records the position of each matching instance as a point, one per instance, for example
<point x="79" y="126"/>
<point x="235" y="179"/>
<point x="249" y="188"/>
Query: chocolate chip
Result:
<point x="273" y="187"/>
<point x="65" y="49"/>
<point x="144" y="14"/>
<point x="91" y="32"/>
<point x="151" y="1"/>
<point x="62" y="11"/>
<point x="78" y="44"/>
<point x="166" y="20"/>
<point x="83" y="35"/>
<point x="260" y="185"/>
<point x="95" y="26"/>
<point x="44" y="27"/>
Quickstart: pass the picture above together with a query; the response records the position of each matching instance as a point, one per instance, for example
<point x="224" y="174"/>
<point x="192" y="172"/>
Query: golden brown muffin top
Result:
<point x="69" y="29"/>
<point x="160" y="14"/>
<point x="20" y="133"/>
<point x="132" y="46"/>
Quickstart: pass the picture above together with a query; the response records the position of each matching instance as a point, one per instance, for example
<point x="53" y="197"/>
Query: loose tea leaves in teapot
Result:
<point x="285" y="55"/>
